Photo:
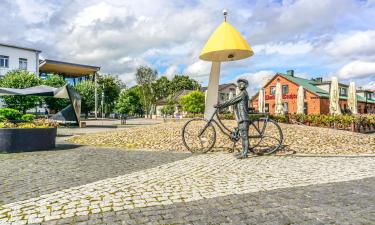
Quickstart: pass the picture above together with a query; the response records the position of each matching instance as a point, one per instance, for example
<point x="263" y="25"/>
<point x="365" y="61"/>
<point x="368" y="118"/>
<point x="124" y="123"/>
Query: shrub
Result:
<point x="226" y="116"/>
<point x="279" y="118"/>
<point x="10" y="114"/>
<point x="28" y="117"/>
<point x="2" y="118"/>
<point x="193" y="102"/>
<point x="197" y="115"/>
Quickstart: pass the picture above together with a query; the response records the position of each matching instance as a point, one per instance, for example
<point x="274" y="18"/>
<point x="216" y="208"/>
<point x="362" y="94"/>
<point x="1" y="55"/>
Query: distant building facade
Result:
<point x="18" y="58"/>
<point x="316" y="95"/>
<point x="225" y="91"/>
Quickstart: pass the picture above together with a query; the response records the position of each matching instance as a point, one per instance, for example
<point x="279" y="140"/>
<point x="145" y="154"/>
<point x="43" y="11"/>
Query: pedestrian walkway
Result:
<point x="193" y="189"/>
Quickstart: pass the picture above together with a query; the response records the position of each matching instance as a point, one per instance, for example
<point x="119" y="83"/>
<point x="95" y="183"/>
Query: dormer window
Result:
<point x="343" y="91"/>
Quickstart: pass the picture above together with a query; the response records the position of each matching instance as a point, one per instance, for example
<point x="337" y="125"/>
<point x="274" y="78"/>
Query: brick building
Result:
<point x="316" y="95"/>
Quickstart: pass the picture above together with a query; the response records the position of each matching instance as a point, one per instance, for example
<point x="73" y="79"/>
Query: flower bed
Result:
<point x="25" y="133"/>
<point x="356" y="123"/>
<point x="364" y="123"/>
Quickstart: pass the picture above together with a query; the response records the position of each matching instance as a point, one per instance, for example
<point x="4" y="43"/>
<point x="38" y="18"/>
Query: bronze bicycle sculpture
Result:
<point x="265" y="135"/>
<point x="199" y="135"/>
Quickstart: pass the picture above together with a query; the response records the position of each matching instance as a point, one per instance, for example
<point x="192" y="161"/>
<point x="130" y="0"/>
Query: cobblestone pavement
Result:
<point x="214" y="188"/>
<point x="28" y="175"/>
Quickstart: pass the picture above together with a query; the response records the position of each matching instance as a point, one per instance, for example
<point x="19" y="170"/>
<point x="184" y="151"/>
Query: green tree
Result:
<point x="55" y="104"/>
<point x="162" y="88"/>
<point x="111" y="87"/>
<point x="87" y="91"/>
<point x="169" y="108"/>
<point x="181" y="82"/>
<point x="193" y="102"/>
<point x="145" y="76"/>
<point x="20" y="79"/>
<point x="129" y="102"/>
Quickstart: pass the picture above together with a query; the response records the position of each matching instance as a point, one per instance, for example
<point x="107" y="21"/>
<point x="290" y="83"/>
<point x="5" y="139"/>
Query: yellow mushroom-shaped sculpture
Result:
<point x="225" y="44"/>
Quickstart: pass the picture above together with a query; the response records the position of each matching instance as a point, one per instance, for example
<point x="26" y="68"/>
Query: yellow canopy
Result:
<point x="226" y="44"/>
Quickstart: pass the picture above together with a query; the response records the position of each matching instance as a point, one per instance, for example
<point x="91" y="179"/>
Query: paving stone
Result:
<point x="216" y="188"/>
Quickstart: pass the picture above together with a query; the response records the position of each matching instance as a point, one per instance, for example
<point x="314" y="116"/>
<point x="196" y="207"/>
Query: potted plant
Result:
<point x="20" y="133"/>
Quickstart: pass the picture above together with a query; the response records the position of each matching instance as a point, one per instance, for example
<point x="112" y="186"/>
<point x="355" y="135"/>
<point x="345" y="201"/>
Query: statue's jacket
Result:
<point x="240" y="103"/>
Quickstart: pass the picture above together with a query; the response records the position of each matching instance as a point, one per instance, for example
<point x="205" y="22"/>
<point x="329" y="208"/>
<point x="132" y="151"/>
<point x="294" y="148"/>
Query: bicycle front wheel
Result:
<point x="266" y="136"/>
<point x="198" y="135"/>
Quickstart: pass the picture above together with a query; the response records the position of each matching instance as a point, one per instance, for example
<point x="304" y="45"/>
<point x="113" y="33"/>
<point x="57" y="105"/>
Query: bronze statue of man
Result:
<point x="241" y="109"/>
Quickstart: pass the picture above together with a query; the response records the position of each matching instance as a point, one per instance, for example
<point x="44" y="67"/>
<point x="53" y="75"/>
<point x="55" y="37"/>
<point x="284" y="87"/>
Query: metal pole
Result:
<point x="96" y="95"/>
<point x="103" y="102"/>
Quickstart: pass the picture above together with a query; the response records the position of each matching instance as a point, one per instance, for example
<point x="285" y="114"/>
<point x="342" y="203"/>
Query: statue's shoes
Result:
<point x="241" y="156"/>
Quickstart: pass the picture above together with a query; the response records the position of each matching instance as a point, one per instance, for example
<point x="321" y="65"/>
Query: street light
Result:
<point x="103" y="103"/>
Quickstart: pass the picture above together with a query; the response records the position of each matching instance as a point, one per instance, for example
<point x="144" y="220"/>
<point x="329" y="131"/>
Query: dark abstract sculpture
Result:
<point x="70" y="114"/>
<point x="241" y="109"/>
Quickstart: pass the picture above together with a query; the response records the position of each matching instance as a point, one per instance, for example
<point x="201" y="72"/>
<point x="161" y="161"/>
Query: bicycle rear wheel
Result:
<point x="191" y="139"/>
<point x="265" y="136"/>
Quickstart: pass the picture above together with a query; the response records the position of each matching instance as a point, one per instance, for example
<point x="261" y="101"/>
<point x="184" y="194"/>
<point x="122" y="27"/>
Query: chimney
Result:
<point x="290" y="73"/>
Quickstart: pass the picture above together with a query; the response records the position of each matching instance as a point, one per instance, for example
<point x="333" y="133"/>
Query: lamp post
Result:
<point x="103" y="103"/>
<point x="225" y="44"/>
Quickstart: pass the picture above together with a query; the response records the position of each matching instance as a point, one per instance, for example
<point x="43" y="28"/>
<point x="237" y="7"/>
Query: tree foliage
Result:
<point x="87" y="91"/>
<point x="55" y="104"/>
<point x="20" y="79"/>
<point x="162" y="88"/>
<point x="169" y="108"/>
<point x="193" y="102"/>
<point x="182" y="82"/>
<point x="111" y="87"/>
<point x="129" y="102"/>
<point x="145" y="76"/>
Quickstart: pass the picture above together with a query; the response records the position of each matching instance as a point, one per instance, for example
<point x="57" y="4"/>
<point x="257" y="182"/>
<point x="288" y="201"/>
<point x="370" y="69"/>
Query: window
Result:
<point x="285" y="89"/>
<point x="22" y="64"/>
<point x="286" y="108"/>
<point x="305" y="108"/>
<point x="343" y="91"/>
<point x="4" y="61"/>
<point x="222" y="96"/>
<point x="272" y="90"/>
<point x="267" y="107"/>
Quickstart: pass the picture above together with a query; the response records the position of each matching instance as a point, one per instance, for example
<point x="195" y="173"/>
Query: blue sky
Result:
<point x="322" y="38"/>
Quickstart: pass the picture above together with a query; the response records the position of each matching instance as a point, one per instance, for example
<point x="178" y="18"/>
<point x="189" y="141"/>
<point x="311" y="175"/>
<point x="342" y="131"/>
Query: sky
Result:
<point x="322" y="38"/>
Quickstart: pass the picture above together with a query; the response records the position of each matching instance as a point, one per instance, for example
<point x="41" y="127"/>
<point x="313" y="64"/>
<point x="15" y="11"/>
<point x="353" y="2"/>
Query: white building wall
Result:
<point x="15" y="54"/>
<point x="324" y="87"/>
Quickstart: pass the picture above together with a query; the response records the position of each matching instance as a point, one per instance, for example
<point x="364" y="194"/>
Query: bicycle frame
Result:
<point x="228" y="132"/>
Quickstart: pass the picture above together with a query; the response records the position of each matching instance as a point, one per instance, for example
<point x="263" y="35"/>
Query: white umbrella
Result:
<point x="334" y="106"/>
<point x="352" y="98"/>
<point x="278" y="100"/>
<point x="261" y="101"/>
<point x="300" y="100"/>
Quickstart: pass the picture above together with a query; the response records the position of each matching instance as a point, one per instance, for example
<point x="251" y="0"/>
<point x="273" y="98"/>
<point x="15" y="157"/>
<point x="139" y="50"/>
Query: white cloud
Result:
<point x="120" y="35"/>
<point x="357" y="69"/>
<point x="256" y="80"/>
<point x="35" y="11"/>
<point x="370" y="86"/>
<point x="199" y="70"/>
<point x="289" y="48"/>
<point x="353" y="44"/>
<point x="171" y="71"/>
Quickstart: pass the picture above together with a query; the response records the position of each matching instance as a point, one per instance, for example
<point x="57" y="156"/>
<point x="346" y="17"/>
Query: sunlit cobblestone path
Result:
<point x="198" y="189"/>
